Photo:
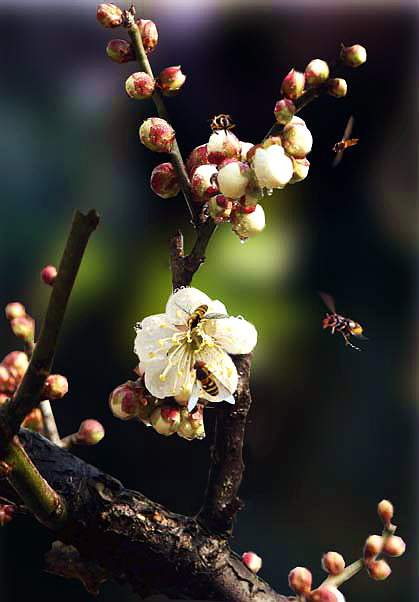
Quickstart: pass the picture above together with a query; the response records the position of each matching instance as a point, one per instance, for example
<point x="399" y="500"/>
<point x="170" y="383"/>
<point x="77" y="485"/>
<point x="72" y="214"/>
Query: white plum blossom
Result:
<point x="273" y="169"/>
<point x="233" y="178"/>
<point x="169" y="345"/>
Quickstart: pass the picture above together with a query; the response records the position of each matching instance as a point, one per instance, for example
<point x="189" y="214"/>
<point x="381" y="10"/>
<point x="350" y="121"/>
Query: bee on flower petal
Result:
<point x="208" y="383"/>
<point x="222" y="122"/>
<point x="337" y="323"/>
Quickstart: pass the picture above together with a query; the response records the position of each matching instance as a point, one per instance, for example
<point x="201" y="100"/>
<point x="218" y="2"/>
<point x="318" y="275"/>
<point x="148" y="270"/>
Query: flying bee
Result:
<point x="222" y="122"/>
<point x="345" y="326"/>
<point x="209" y="385"/>
<point x="339" y="147"/>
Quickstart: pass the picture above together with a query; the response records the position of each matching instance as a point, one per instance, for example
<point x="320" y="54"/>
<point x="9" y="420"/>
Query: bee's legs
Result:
<point x="347" y="341"/>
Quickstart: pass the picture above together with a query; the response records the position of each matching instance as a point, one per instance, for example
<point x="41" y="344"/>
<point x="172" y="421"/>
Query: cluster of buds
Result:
<point x="300" y="581"/>
<point x="132" y="400"/>
<point x="109" y="15"/>
<point x="22" y="325"/>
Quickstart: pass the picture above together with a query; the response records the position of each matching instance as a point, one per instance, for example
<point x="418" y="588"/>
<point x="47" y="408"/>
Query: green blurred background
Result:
<point x="331" y="430"/>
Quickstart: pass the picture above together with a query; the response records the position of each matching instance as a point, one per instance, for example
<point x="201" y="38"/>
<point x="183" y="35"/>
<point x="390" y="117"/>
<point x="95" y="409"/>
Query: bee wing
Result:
<point x="338" y="158"/>
<point x="328" y="301"/>
<point x="361" y="337"/>
<point x="215" y="316"/>
<point x="194" y="396"/>
<point x="348" y="129"/>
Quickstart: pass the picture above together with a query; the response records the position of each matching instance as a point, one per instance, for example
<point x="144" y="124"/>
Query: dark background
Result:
<point x="331" y="430"/>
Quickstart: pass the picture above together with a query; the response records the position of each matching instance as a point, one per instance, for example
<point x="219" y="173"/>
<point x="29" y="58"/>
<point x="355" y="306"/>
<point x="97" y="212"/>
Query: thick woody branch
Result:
<point x="221" y="502"/>
<point x="136" y="541"/>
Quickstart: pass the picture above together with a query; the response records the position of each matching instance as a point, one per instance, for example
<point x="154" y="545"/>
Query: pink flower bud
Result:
<point x="14" y="310"/>
<point x="316" y="72"/>
<point x="128" y="400"/>
<point x="191" y="424"/>
<point x="198" y="156"/>
<point x="140" y="85"/>
<point x="223" y="145"/>
<point x="3" y="398"/>
<point x="337" y="87"/>
<point x="157" y="135"/>
<point x="293" y="84"/>
<point x="49" y="274"/>
<point x="394" y="546"/>
<point x="353" y="56"/>
<point x="373" y="546"/>
<point x="171" y="79"/>
<point x="7" y="513"/>
<point x="219" y="208"/>
<point x="297" y="140"/>
<point x="6" y="382"/>
<point x="233" y="178"/>
<point x="326" y="593"/>
<point x="56" y="386"/>
<point x="165" y="419"/>
<point x="246" y="224"/>
<point x="120" y="51"/>
<point x="164" y="181"/>
<point x="378" y="569"/>
<point x="16" y="363"/>
<point x="333" y="563"/>
<point x="203" y="184"/>
<point x="385" y="511"/>
<point x="284" y="110"/>
<point x="149" y="34"/>
<point x="300" y="579"/>
<point x="34" y="421"/>
<point x="109" y="15"/>
<point x="301" y="167"/>
<point x="252" y="561"/>
<point x="90" y="432"/>
<point x="23" y="327"/>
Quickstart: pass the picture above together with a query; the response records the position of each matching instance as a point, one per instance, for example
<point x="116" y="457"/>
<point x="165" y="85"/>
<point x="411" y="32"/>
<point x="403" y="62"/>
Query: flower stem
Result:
<point x="347" y="573"/>
<point x="50" y="425"/>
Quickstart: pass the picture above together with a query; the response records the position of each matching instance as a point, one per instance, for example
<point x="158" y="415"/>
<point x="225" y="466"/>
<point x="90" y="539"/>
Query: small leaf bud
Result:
<point x="246" y="225"/>
<point x="272" y="168"/>
<point x="394" y="546"/>
<point x="385" y="511"/>
<point x="14" y="310"/>
<point x="157" y="135"/>
<point x="378" y="569"/>
<point x="149" y="34"/>
<point x="198" y="156"/>
<point x="373" y="546"/>
<point x="202" y="183"/>
<point x="333" y="563"/>
<point x="293" y="84"/>
<point x="140" y="85"/>
<point x="23" y="327"/>
<point x="326" y="593"/>
<point x="33" y="421"/>
<point x="126" y="400"/>
<point x="165" y="419"/>
<point x="223" y="145"/>
<point x="284" y="111"/>
<point x="300" y="579"/>
<point x="191" y="424"/>
<point x="301" y="167"/>
<point x="120" y="51"/>
<point x="109" y="15"/>
<point x="90" y="432"/>
<point x="56" y="386"/>
<point x="297" y="140"/>
<point x="219" y="208"/>
<point x="171" y="79"/>
<point x="233" y="178"/>
<point x="7" y="513"/>
<point x="353" y="56"/>
<point x="164" y="181"/>
<point x="49" y="274"/>
<point x="252" y="561"/>
<point x="316" y="72"/>
<point x="337" y="87"/>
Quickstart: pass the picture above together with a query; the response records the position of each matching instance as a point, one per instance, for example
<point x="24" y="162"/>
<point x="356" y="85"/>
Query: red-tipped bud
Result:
<point x="191" y="424"/>
<point x="297" y="140"/>
<point x="248" y="222"/>
<point x="7" y="513"/>
<point x="23" y="327"/>
<point x="353" y="56"/>
<point x="140" y="85"/>
<point x="293" y="84"/>
<point x="373" y="546"/>
<point x="284" y="110"/>
<point x="219" y="208"/>
<point x="109" y="15"/>
<point x="394" y="546"/>
<point x="164" y="181"/>
<point x="203" y="183"/>
<point x="326" y="593"/>
<point x="252" y="561"/>
<point x="120" y="51"/>
<point x="90" y="432"/>
<point x="316" y="72"/>
<point x="34" y="421"/>
<point x="56" y="386"/>
<point x="157" y="135"/>
<point x="223" y="145"/>
<point x="301" y="167"/>
<point x="14" y="310"/>
<point x="198" y="156"/>
<point x="333" y="563"/>
<point x="337" y="87"/>
<point x="378" y="569"/>
<point x="385" y="511"/>
<point x="165" y="419"/>
<point x="128" y="400"/>
<point x="16" y="363"/>
<point x="49" y="274"/>
<point x="300" y="580"/>
<point x="149" y="34"/>
<point x="171" y="79"/>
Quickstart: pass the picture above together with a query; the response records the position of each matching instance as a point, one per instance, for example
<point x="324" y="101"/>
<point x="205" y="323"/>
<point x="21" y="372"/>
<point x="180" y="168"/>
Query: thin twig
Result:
<point x="50" y="426"/>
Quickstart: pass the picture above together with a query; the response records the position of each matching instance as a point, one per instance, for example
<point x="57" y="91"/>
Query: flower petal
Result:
<point x="234" y="335"/>
<point x="172" y="375"/>
<point x="154" y="338"/>
<point x="183" y="303"/>
<point x="223" y="371"/>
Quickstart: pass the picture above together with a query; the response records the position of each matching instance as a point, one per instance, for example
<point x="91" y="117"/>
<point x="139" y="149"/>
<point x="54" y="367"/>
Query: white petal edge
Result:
<point x="184" y="302"/>
<point x="153" y="339"/>
<point x="234" y="335"/>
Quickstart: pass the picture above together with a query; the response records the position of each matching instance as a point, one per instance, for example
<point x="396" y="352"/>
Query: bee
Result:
<point x="209" y="385"/>
<point x="339" y="147"/>
<point x="199" y="314"/>
<point x="345" y="326"/>
<point x="222" y="122"/>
